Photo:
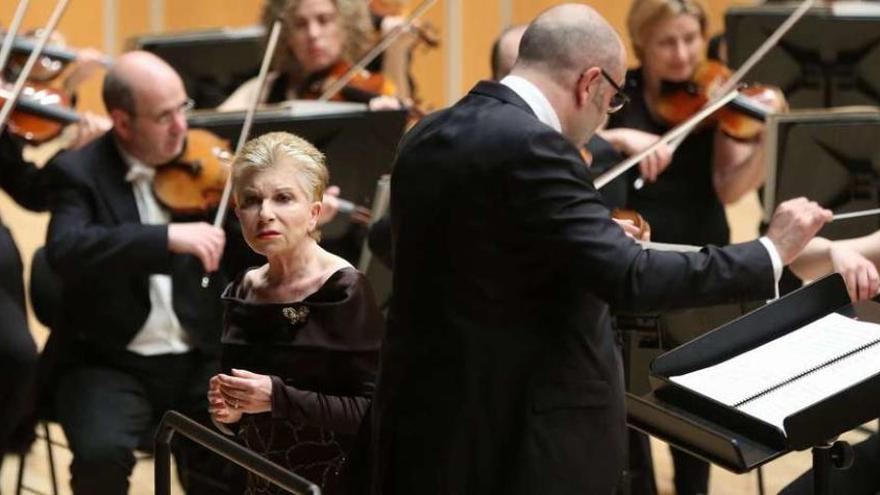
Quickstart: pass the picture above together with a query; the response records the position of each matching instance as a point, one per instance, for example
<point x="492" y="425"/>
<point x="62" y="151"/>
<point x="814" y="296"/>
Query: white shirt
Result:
<point x="162" y="332"/>
<point x="545" y="112"/>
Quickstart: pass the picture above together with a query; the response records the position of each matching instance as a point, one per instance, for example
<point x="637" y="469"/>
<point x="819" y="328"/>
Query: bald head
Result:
<point x="135" y="74"/>
<point x="569" y="38"/>
<point x="147" y="103"/>
<point x="505" y="50"/>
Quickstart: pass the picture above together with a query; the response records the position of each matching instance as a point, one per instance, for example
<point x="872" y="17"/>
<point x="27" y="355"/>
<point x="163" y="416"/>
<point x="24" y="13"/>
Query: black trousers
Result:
<point x="691" y="475"/>
<point x="110" y="406"/>
<point x="18" y="352"/>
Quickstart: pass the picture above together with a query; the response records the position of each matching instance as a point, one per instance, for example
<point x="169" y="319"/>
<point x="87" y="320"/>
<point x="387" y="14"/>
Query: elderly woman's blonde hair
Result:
<point x="645" y="14"/>
<point x="354" y="20"/>
<point x="266" y="151"/>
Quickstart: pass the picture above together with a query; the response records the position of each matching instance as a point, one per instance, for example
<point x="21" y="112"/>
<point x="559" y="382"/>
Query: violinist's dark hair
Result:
<point x="117" y="93"/>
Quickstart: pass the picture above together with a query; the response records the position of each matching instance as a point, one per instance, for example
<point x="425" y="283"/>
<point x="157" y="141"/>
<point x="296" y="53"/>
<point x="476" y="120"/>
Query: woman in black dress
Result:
<point x="302" y="333"/>
<point x="685" y="204"/>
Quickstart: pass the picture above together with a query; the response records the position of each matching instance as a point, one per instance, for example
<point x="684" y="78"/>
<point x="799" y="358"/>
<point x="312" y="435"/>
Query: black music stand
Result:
<point x="211" y="62"/>
<point x="829" y="156"/>
<point x="734" y="440"/>
<point x="828" y="59"/>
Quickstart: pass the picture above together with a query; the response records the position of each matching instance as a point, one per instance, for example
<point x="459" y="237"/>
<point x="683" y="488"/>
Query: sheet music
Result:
<point x="774" y="407"/>
<point x="739" y="378"/>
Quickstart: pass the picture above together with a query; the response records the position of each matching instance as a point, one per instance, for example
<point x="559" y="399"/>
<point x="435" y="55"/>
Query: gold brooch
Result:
<point x="295" y="315"/>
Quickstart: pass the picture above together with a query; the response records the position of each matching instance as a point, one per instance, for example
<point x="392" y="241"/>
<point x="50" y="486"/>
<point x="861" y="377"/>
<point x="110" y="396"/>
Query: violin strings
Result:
<point x="9" y="39"/>
<point x="60" y="7"/>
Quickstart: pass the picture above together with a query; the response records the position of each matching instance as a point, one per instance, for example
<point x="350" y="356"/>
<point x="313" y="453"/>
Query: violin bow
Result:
<point x="674" y="133"/>
<point x="337" y="85"/>
<point x="9" y="38"/>
<point x="223" y="207"/>
<point x="11" y="100"/>
<point x="381" y="200"/>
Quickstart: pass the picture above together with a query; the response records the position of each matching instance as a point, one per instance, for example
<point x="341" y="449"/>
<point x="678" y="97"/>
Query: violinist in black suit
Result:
<point x="499" y="371"/>
<point x="143" y="334"/>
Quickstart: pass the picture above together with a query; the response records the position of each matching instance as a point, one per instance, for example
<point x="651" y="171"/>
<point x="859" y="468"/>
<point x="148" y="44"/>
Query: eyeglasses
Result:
<point x="619" y="99"/>
<point x="167" y="117"/>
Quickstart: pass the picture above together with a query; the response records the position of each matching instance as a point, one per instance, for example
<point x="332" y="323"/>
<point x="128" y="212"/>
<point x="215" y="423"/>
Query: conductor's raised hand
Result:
<point x="200" y="239"/>
<point x="794" y="223"/>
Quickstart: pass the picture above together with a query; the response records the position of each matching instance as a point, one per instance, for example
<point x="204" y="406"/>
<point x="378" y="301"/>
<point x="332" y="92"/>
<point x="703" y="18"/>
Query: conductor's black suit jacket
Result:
<point x="105" y="256"/>
<point x="500" y="373"/>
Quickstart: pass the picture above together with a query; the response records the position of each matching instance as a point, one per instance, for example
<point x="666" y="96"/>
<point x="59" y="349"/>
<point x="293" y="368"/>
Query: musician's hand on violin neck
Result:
<point x="794" y="223"/>
<point x="200" y="239"/>
<point x="88" y="62"/>
<point x="405" y="41"/>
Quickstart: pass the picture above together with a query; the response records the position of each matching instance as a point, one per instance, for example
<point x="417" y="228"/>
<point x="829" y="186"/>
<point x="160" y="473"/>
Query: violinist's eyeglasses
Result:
<point x="167" y="117"/>
<point x="619" y="99"/>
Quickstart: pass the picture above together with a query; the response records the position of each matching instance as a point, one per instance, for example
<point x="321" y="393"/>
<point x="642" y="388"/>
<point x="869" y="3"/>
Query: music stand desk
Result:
<point x="734" y="440"/>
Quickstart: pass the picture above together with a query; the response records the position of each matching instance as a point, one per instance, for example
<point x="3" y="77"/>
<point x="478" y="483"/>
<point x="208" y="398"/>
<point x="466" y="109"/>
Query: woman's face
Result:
<point x="276" y="213"/>
<point x="673" y="48"/>
<point x="317" y="35"/>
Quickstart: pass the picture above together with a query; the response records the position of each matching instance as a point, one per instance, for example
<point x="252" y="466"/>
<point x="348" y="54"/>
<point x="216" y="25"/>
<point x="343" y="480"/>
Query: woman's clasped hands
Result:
<point x="230" y="396"/>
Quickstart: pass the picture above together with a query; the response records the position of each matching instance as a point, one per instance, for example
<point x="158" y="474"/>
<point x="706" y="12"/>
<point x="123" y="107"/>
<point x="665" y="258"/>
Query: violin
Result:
<point x="192" y="183"/>
<point x="741" y="119"/>
<point x="639" y="221"/>
<point x="54" y="59"/>
<point x="363" y="86"/>
<point x="40" y="113"/>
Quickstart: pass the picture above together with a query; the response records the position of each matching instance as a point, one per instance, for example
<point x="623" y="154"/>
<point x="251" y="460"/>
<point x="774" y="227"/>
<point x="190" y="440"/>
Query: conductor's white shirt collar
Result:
<point x="535" y="99"/>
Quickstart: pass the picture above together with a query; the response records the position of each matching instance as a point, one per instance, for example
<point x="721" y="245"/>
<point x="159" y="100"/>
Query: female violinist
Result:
<point x="684" y="203"/>
<point x="319" y="41"/>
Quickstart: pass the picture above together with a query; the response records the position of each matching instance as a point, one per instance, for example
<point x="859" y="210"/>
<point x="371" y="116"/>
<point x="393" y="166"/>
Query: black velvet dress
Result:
<point x="322" y="354"/>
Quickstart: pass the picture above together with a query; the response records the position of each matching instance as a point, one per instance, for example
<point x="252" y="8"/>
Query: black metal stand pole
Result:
<point x="162" y="461"/>
<point x="822" y="470"/>
<point x="826" y="458"/>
